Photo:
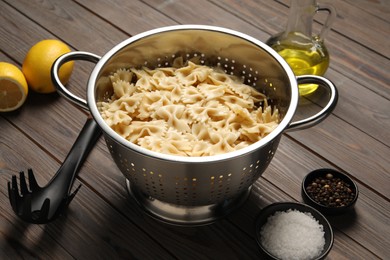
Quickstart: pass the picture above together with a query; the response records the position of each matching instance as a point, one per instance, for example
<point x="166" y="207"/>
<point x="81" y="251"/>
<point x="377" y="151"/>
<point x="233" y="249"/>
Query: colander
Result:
<point x="195" y="190"/>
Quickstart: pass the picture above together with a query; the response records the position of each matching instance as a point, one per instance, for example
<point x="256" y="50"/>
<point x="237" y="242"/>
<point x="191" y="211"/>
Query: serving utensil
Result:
<point x="40" y="205"/>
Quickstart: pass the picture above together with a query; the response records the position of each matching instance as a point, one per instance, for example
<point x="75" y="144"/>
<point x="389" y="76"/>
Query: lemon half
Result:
<point x="13" y="87"/>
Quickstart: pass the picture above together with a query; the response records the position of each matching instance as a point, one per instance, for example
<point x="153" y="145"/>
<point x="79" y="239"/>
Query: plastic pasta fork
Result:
<point x="40" y="205"/>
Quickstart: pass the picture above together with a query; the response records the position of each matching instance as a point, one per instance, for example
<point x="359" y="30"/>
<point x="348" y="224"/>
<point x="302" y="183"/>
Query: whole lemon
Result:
<point x="38" y="62"/>
<point x="13" y="87"/>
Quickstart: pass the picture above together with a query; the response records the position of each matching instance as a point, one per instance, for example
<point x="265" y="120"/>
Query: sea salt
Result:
<point x="293" y="235"/>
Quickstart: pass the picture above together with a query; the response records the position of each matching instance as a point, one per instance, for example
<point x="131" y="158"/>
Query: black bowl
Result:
<point x="326" y="208"/>
<point x="284" y="206"/>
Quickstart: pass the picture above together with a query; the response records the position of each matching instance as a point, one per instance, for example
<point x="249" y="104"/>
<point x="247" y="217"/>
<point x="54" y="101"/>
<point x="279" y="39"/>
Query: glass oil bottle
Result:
<point x="304" y="52"/>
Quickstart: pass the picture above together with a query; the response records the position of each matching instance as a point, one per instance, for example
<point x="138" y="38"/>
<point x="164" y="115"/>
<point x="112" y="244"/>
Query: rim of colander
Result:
<point x="91" y="100"/>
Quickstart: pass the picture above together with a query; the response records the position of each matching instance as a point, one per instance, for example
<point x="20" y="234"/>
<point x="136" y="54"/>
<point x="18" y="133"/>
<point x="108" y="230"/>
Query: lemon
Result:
<point x="13" y="87"/>
<point x="37" y="65"/>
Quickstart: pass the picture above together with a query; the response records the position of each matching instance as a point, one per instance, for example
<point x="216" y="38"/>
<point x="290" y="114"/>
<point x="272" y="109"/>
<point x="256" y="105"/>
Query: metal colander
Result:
<point x="195" y="190"/>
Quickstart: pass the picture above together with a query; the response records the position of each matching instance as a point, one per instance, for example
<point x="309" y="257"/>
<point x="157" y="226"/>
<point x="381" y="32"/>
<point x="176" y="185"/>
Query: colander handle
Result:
<point x="317" y="118"/>
<point x="76" y="55"/>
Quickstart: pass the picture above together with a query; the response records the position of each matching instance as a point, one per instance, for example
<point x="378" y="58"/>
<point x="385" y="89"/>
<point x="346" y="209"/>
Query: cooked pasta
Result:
<point x="193" y="110"/>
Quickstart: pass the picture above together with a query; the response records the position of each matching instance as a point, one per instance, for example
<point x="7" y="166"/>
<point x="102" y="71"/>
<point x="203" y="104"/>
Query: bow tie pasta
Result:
<point x="193" y="110"/>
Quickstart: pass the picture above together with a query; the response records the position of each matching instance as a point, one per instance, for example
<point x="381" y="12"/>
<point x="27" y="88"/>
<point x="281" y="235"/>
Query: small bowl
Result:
<point x="329" y="209"/>
<point x="270" y="210"/>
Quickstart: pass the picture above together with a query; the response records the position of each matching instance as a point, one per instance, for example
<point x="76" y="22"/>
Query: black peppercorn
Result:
<point x="330" y="191"/>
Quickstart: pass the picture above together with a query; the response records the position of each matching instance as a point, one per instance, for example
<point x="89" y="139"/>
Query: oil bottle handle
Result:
<point x="329" y="20"/>
<point x="61" y="89"/>
<point x="326" y="111"/>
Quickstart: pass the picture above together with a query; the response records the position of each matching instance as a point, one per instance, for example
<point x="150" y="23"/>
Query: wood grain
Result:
<point x="348" y="56"/>
<point x="87" y="214"/>
<point x="379" y="8"/>
<point x="104" y="222"/>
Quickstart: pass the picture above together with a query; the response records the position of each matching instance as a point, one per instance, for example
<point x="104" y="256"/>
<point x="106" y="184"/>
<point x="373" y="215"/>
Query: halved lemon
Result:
<point x="13" y="87"/>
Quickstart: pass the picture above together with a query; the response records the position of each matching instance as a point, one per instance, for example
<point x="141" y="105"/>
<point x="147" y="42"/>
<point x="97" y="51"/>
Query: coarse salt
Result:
<point x="293" y="235"/>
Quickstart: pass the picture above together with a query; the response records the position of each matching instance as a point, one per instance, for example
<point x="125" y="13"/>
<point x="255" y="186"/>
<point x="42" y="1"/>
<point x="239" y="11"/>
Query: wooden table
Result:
<point x="103" y="222"/>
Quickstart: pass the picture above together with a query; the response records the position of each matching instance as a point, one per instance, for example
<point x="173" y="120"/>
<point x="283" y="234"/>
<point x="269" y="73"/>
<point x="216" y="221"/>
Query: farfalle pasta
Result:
<point x="193" y="110"/>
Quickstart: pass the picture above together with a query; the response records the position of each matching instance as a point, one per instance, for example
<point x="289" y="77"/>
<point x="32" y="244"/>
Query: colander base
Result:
<point x="186" y="215"/>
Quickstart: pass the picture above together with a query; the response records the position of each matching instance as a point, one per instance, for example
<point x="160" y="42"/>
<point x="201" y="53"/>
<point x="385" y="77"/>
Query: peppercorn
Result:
<point x="330" y="191"/>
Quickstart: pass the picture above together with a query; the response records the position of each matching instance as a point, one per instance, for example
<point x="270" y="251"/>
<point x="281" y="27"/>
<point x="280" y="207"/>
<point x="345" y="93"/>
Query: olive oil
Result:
<point x="310" y="58"/>
<point x="304" y="51"/>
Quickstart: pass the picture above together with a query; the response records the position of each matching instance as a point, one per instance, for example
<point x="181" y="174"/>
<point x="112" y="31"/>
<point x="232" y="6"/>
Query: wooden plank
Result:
<point x="204" y="12"/>
<point x="289" y="166"/>
<point x="357" y="156"/>
<point x="71" y="22"/>
<point x="361" y="108"/>
<point x="25" y="120"/>
<point x="368" y="219"/>
<point x="379" y="8"/>
<point x="335" y="144"/>
<point x="263" y="194"/>
<point x="118" y="13"/>
<point x="360" y="103"/>
<point x="287" y="170"/>
<point x="85" y="222"/>
<point x="367" y="105"/>
<point x="100" y="230"/>
<point x="19" y="240"/>
<point x="214" y="241"/>
<point x="348" y="57"/>
<point x="349" y="149"/>
<point x="110" y="186"/>
<point x="31" y="33"/>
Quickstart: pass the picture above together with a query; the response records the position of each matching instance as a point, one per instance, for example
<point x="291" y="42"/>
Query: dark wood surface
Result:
<point x="103" y="222"/>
